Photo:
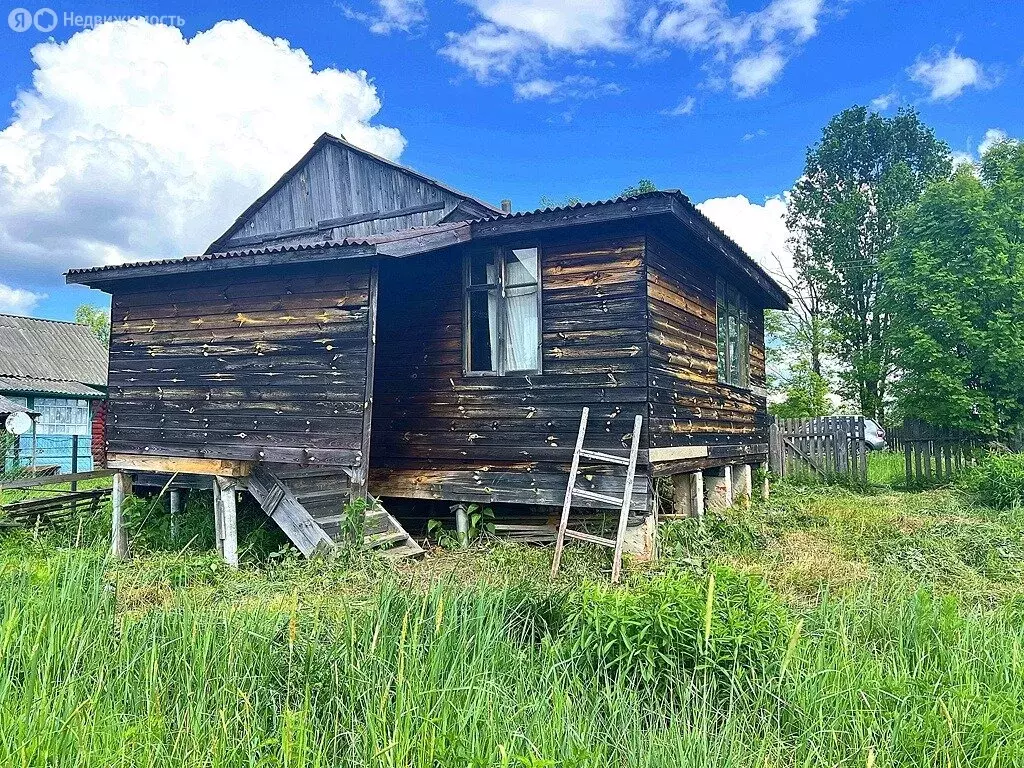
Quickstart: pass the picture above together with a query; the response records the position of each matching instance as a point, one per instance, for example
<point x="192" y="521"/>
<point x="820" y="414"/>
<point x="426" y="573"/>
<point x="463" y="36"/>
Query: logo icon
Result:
<point x="45" y="20"/>
<point x="20" y="19"/>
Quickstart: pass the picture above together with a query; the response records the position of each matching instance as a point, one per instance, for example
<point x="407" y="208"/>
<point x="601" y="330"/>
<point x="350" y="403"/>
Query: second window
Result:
<point x="733" y="336"/>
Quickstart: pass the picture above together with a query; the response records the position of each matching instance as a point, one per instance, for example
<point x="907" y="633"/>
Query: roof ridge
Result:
<point x="327" y="136"/>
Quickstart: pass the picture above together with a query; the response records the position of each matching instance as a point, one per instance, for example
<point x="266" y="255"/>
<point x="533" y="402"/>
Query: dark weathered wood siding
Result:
<point x="345" y="188"/>
<point x="688" y="405"/>
<point x="439" y="434"/>
<point x="254" y="364"/>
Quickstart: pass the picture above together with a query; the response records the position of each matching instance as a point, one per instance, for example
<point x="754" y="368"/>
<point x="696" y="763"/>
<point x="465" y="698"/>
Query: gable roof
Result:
<point x="670" y="206"/>
<point x="470" y="206"/>
<point x="50" y="356"/>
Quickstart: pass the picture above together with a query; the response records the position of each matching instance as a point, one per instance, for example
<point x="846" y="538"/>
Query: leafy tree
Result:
<point x="806" y="394"/>
<point x="97" y="319"/>
<point x="955" y="292"/>
<point x="801" y="333"/>
<point x="843" y="212"/>
<point x="547" y="201"/>
<point x="641" y="187"/>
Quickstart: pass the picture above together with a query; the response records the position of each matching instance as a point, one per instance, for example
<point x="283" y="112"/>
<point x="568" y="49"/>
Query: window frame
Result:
<point x="732" y="306"/>
<point x="498" y="259"/>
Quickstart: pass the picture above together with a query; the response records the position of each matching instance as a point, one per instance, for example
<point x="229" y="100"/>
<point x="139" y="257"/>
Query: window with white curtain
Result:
<point x="502" y="311"/>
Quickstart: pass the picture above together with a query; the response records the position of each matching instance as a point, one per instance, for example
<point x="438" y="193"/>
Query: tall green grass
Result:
<point x="886" y="469"/>
<point x="684" y="670"/>
<point x="997" y="480"/>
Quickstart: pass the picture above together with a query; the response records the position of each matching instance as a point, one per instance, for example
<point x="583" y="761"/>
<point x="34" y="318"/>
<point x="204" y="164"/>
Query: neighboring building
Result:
<point x="406" y="338"/>
<point x="58" y="370"/>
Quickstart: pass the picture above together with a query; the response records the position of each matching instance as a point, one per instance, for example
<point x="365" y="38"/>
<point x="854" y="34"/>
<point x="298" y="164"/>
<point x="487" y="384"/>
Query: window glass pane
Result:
<point x="744" y="354"/>
<point x="483" y="330"/>
<point x="61" y="416"/>
<point x="722" y="326"/>
<point x="521" y="266"/>
<point x="734" y="346"/>
<point x="482" y="270"/>
<point x="521" y="330"/>
<point x="733" y="335"/>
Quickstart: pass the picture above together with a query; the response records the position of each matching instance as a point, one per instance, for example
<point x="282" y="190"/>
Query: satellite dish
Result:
<point x="18" y="423"/>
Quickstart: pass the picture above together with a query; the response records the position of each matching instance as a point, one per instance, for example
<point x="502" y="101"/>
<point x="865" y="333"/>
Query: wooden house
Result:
<point x="361" y="326"/>
<point x="57" y="370"/>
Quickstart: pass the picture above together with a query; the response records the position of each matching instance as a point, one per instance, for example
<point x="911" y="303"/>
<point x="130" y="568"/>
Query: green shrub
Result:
<point x="998" y="480"/>
<point x="729" y="625"/>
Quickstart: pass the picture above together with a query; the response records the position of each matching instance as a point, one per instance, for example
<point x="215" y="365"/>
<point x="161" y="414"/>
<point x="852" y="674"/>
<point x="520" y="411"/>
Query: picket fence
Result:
<point x="830" y="447"/>
<point x="933" y="454"/>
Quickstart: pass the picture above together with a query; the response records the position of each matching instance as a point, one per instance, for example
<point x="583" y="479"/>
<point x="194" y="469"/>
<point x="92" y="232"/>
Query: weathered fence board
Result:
<point x="827" y="446"/>
<point x="933" y="454"/>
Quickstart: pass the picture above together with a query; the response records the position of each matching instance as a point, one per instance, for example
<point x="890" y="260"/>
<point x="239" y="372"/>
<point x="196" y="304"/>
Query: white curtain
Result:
<point x="521" y="319"/>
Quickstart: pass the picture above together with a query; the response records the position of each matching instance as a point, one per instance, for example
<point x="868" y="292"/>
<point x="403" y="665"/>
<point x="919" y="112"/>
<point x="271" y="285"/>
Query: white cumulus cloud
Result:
<point x="135" y="142"/>
<point x="947" y="75"/>
<point x="992" y="137"/>
<point x="759" y="229"/>
<point x="752" y="74"/>
<point x="18" y="301"/>
<point x="518" y="40"/>
<point x="512" y="35"/>
<point x="754" y="46"/>
<point x="886" y="100"/>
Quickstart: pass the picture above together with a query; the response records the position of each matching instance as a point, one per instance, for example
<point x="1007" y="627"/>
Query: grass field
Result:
<point x="822" y="627"/>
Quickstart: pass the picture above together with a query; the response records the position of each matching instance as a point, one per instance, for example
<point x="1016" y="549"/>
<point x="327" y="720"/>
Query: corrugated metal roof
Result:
<point x="30" y="385"/>
<point x="9" y="406"/>
<point x="404" y="234"/>
<point x="288" y="248"/>
<point x="349" y="242"/>
<point x="678" y="194"/>
<point x="39" y="355"/>
<point x="586" y="204"/>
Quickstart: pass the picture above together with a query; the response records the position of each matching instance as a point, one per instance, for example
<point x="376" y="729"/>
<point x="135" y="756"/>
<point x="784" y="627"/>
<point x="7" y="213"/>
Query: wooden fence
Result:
<point x="831" y="447"/>
<point x="933" y="454"/>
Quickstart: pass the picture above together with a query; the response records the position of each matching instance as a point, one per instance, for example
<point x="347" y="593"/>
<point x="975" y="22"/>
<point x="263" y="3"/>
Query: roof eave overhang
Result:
<point x="415" y="243"/>
<point x="103" y="278"/>
<point x="668" y="207"/>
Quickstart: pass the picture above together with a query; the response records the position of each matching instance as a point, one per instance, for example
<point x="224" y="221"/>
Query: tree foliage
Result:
<point x="955" y="293"/>
<point x="546" y="201"/>
<point x="97" y="319"/>
<point x="806" y="394"/>
<point x="641" y="187"/>
<point x="844" y="212"/>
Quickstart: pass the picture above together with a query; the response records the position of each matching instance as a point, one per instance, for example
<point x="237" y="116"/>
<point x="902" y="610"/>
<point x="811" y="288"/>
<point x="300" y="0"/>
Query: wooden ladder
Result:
<point x="573" y="492"/>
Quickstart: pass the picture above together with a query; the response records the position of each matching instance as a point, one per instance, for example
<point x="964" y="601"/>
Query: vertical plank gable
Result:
<point x="339" y="183"/>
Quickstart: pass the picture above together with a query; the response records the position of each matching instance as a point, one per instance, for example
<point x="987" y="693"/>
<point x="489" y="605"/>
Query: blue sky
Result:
<point x="132" y="142"/>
